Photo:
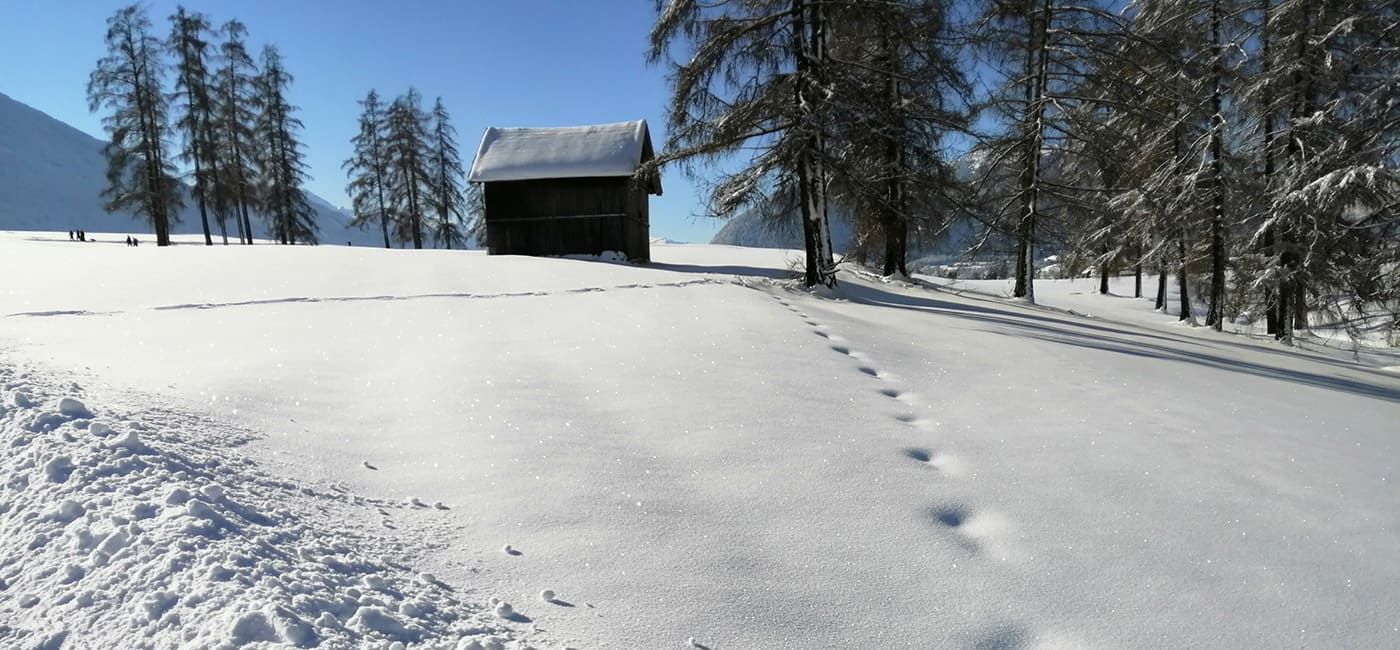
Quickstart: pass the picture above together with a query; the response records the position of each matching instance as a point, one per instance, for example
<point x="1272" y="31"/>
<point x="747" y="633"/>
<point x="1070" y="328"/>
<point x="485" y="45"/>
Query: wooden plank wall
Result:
<point x="567" y="216"/>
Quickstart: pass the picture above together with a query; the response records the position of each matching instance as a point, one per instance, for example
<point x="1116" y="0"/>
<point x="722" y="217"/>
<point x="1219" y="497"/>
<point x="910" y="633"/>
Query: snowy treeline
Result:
<point x="1250" y="143"/>
<point x="406" y="173"/>
<point x="213" y="109"/>
<point x="845" y="101"/>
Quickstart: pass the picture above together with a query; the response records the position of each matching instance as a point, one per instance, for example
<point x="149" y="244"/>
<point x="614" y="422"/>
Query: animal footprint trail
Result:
<point x="915" y="421"/>
<point x="980" y="532"/>
<point x="846" y="350"/>
<point x="839" y="345"/>
<point x="944" y="463"/>
<point x="897" y="394"/>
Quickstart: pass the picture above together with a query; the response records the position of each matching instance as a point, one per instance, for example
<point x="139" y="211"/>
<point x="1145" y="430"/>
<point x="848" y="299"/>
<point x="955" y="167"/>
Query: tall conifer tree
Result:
<point x="127" y="81"/>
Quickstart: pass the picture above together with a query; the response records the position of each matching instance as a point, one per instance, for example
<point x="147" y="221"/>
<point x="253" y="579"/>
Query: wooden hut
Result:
<point x="569" y="190"/>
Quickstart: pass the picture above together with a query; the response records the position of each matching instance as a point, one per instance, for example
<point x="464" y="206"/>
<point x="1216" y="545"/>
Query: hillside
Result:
<point x="348" y="447"/>
<point x="750" y="228"/>
<point x="52" y="175"/>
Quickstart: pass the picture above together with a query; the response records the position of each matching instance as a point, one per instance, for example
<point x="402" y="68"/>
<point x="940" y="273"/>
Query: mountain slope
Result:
<point x="751" y="228"/>
<point x="52" y="175"/>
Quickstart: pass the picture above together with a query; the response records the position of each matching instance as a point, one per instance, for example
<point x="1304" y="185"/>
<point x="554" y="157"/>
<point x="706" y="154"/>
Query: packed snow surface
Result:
<point x="695" y="452"/>
<point x="526" y="153"/>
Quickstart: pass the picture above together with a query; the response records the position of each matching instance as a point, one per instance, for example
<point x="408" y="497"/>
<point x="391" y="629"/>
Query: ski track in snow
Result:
<point x="149" y="528"/>
<point x="381" y="298"/>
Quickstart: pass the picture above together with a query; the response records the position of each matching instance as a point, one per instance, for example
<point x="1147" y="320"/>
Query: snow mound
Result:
<point x="182" y="545"/>
<point x="130" y="442"/>
<point x="73" y="408"/>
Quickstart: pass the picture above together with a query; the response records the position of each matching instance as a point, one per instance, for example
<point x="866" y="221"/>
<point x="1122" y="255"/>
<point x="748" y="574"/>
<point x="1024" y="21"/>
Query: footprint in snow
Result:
<point x="945" y="463"/>
<point x="921" y="455"/>
<point x="950" y="516"/>
<point x="1005" y="637"/>
<point x="369" y="466"/>
<point x="896" y="394"/>
<point x="915" y="421"/>
<point x="981" y="533"/>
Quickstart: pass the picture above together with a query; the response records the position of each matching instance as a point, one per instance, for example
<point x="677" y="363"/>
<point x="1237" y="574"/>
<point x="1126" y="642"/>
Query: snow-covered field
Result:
<point x="691" y="450"/>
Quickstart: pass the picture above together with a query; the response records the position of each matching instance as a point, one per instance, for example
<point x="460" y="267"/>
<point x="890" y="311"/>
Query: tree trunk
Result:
<point x="151" y="142"/>
<point x="416" y="218"/>
<point x="895" y="217"/>
<point x="1300" y="305"/>
<point x="1037" y="70"/>
<point x="1284" y="319"/>
<point x="1268" y="241"/>
<point x="238" y="224"/>
<point x="383" y="215"/>
<point x="1137" y="272"/>
<point x="1103" y="271"/>
<point x="1291" y="295"/>
<point x="1161" y="288"/>
<point x="200" y="187"/>
<point x="204" y="220"/>
<point x="1181" y="281"/>
<point x="1215" y="316"/>
<point x="247" y="225"/>
<point x="808" y="42"/>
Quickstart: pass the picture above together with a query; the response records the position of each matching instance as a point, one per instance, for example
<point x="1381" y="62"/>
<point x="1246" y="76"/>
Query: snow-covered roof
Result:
<point x="518" y="154"/>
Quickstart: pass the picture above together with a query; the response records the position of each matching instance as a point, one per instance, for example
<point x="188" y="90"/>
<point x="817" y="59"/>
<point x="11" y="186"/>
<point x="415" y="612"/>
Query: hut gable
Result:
<point x="594" y="151"/>
<point x="567" y="190"/>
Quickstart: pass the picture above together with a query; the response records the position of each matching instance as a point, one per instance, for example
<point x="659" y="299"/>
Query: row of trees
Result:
<point x="236" y="131"/>
<point x="847" y="101"/>
<point x="406" y="172"/>
<point x="1251" y="142"/>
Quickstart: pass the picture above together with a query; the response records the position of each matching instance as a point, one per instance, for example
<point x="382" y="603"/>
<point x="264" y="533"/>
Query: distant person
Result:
<point x="135" y="241"/>
<point x="82" y="235"/>
<point x="70" y="236"/>
<point x="128" y="240"/>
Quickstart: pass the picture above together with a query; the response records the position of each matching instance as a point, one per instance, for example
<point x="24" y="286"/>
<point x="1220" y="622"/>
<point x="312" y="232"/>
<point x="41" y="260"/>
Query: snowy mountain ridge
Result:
<point x="52" y="176"/>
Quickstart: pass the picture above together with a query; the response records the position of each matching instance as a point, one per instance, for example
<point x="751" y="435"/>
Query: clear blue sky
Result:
<point x="494" y="63"/>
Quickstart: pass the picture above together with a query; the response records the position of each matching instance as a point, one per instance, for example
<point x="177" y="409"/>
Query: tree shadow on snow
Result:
<point x="1250" y="342"/>
<point x="1045" y="326"/>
